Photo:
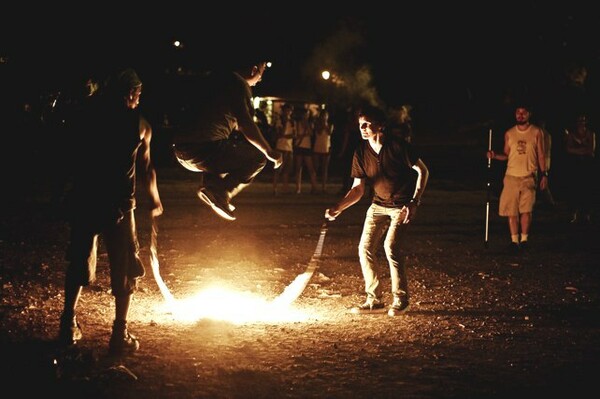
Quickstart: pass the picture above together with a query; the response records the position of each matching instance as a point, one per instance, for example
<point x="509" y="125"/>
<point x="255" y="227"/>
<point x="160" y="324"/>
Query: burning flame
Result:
<point x="164" y="290"/>
<point x="218" y="303"/>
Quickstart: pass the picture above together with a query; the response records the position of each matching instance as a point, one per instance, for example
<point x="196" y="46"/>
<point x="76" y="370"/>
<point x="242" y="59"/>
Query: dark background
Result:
<point x="452" y="62"/>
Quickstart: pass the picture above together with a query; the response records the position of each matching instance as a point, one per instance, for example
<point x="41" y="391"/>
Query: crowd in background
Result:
<point x="318" y="142"/>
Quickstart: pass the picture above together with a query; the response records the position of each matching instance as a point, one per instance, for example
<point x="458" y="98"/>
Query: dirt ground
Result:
<point x="482" y="323"/>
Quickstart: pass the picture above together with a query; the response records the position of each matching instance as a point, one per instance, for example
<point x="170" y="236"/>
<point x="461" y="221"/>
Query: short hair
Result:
<point x="245" y="58"/>
<point x="525" y="104"/>
<point x="122" y="81"/>
<point x="373" y="114"/>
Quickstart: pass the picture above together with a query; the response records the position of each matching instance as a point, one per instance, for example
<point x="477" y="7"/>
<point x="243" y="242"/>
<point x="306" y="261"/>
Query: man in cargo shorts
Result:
<point x="102" y="202"/>
<point x="525" y="155"/>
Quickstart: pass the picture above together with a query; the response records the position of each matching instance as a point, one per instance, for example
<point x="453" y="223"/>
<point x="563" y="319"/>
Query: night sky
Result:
<point x="427" y="55"/>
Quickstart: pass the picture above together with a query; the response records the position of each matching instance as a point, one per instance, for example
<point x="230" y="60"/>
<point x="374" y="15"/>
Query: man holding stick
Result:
<point x="524" y="153"/>
<point x="388" y="163"/>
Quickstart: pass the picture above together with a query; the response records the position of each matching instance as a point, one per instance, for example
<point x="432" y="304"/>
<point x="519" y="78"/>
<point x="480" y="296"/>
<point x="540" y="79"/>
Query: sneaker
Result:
<point x="398" y="307"/>
<point x="368" y="306"/>
<point x="220" y="205"/>
<point x="123" y="343"/>
<point x="70" y="331"/>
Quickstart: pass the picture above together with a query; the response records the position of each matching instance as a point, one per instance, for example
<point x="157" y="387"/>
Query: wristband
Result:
<point x="415" y="201"/>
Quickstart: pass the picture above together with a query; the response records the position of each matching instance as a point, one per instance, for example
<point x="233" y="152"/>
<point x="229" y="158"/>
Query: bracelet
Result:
<point x="415" y="201"/>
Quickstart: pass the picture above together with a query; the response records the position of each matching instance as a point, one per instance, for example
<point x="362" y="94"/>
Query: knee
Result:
<point x="364" y="251"/>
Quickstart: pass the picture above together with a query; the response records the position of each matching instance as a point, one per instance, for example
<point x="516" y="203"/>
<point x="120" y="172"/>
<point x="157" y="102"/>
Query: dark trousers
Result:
<point x="229" y="164"/>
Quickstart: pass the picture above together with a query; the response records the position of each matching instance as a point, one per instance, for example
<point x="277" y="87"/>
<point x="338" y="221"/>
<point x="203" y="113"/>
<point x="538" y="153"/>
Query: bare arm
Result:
<point x="588" y="149"/>
<point x="253" y="134"/>
<point x="352" y="197"/>
<point x="422" y="179"/>
<point x="541" y="158"/>
<point x="501" y="157"/>
<point x="148" y="167"/>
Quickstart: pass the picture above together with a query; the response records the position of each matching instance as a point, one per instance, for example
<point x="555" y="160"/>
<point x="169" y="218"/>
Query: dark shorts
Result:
<point x="238" y="158"/>
<point x="122" y="246"/>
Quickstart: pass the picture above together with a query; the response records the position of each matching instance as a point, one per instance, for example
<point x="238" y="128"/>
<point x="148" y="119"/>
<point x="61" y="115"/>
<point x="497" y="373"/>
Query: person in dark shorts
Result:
<point x="102" y="202"/>
<point x="389" y="164"/>
<point x="205" y="144"/>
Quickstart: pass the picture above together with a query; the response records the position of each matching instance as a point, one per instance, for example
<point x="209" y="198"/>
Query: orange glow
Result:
<point x="219" y="303"/>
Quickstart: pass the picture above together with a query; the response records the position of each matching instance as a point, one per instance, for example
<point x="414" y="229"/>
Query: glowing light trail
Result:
<point x="164" y="290"/>
<point x="295" y="289"/>
<point x="218" y="303"/>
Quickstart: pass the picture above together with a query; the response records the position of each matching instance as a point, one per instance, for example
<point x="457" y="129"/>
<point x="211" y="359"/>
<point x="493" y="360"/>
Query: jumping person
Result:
<point x="204" y="143"/>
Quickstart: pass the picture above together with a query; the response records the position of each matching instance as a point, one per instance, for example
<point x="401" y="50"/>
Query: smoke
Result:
<point x="343" y="55"/>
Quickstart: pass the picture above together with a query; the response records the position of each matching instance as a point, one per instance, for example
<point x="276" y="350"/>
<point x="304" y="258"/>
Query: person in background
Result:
<point x="203" y="144"/>
<point x="303" y="151"/>
<point x="350" y="139"/>
<point x="322" y="146"/>
<point x="387" y="162"/>
<point x="580" y="148"/>
<point x="401" y="122"/>
<point x="546" y="195"/>
<point x="260" y="117"/>
<point x="285" y="131"/>
<point x="102" y="202"/>
<point x="526" y="162"/>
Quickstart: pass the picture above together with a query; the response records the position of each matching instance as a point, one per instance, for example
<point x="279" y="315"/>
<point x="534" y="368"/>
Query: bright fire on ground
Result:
<point x="222" y="304"/>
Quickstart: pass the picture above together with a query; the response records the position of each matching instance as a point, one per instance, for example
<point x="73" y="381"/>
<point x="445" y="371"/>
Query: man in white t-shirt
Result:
<point x="525" y="155"/>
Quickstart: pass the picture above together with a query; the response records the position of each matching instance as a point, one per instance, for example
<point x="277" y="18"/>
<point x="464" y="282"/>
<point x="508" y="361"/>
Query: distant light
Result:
<point x="269" y="64"/>
<point x="177" y="43"/>
<point x="326" y="75"/>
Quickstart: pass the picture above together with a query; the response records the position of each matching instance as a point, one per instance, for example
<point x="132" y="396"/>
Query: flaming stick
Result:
<point x="155" y="265"/>
<point x="295" y="289"/>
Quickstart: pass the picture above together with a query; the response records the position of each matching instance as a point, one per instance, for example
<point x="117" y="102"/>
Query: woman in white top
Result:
<point x="322" y="146"/>
<point x="303" y="151"/>
<point x="285" y="131"/>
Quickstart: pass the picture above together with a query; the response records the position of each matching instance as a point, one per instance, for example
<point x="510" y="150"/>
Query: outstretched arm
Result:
<point x="422" y="179"/>
<point x="352" y="197"/>
<point x="251" y="131"/>
<point x="149" y="171"/>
